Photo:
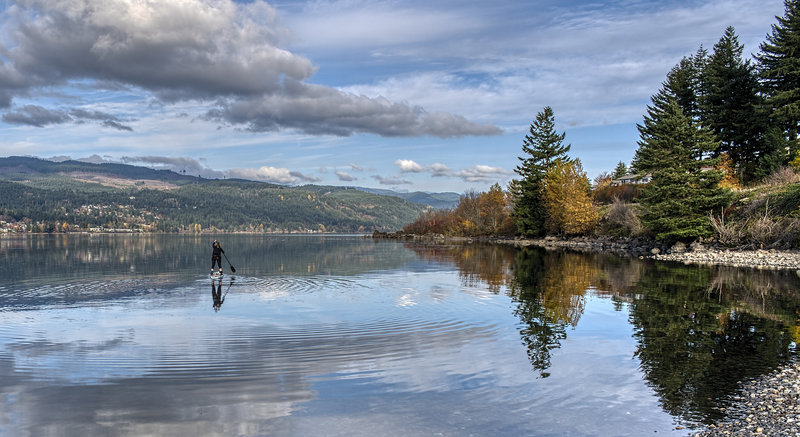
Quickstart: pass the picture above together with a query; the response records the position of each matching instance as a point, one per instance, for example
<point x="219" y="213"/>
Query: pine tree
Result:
<point x="682" y="87"/>
<point x="620" y="171"/>
<point x="684" y="187"/>
<point x="779" y="68"/>
<point x="730" y="104"/>
<point x="544" y="147"/>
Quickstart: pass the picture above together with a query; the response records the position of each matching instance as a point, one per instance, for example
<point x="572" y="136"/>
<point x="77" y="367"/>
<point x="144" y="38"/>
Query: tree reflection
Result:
<point x="700" y="331"/>
<point x="695" y="346"/>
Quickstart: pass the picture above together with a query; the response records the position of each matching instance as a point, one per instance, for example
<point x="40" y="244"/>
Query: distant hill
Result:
<point x="445" y="200"/>
<point x="72" y="195"/>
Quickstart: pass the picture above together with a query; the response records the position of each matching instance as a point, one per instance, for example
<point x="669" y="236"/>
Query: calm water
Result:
<point x="334" y="335"/>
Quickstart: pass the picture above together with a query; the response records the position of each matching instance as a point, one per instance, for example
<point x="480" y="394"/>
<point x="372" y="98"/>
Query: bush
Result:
<point x="782" y="176"/>
<point x="729" y="233"/>
<point x="607" y="193"/>
<point x="622" y="220"/>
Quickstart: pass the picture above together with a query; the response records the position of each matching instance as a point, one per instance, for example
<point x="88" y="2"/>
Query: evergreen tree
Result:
<point x="779" y="68"/>
<point x="620" y="171"/>
<point x="730" y="104"/>
<point x="684" y="187"/>
<point x="544" y="147"/>
<point x="681" y="87"/>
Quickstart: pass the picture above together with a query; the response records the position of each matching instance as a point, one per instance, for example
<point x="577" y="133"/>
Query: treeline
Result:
<point x="211" y="205"/>
<point x="717" y="158"/>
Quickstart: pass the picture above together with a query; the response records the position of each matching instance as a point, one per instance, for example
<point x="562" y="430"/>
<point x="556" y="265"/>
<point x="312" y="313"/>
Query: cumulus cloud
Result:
<point x="391" y="180"/>
<point x="222" y="52"/>
<point x="482" y="173"/>
<point x="345" y="177"/>
<point x="438" y="170"/>
<point x="177" y="164"/>
<point x="271" y="174"/>
<point x="408" y="166"/>
<point x="315" y="109"/>
<point x="477" y="173"/>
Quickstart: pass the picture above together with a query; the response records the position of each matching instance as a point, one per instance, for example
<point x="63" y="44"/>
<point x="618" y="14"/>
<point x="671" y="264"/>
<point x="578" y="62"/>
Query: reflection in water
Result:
<point x="216" y="292"/>
<point x="117" y="335"/>
<point x="696" y="343"/>
<point x="700" y="330"/>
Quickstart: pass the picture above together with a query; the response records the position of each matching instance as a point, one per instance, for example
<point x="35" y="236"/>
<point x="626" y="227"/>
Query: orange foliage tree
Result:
<point x="477" y="214"/>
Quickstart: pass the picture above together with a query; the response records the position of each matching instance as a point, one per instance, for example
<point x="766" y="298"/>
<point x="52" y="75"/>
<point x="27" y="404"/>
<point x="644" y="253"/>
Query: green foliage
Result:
<point x="684" y="189"/>
<point x="204" y="205"/>
<point x="786" y="201"/>
<point x="543" y="147"/>
<point x="730" y="104"/>
<point x="779" y="67"/>
<point x="620" y="171"/>
<point x="691" y="346"/>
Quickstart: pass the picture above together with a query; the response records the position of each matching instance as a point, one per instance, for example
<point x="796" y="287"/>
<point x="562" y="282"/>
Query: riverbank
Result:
<point x="767" y="406"/>
<point x="695" y="253"/>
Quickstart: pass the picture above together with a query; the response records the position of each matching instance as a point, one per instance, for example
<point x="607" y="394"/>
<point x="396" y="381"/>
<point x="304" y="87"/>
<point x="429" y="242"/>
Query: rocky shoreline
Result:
<point x="695" y="253"/>
<point x="767" y="406"/>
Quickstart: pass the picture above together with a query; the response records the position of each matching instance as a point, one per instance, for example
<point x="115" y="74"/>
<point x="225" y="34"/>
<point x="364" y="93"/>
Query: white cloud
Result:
<point x="408" y="166"/>
<point x="439" y="169"/>
<point x="265" y="174"/>
<point x="482" y="173"/>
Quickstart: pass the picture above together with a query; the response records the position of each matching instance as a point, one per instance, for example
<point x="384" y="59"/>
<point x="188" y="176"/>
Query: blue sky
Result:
<point x="404" y="95"/>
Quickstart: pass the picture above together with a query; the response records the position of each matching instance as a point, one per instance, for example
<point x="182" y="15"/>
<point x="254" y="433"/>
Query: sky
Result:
<point x="405" y="95"/>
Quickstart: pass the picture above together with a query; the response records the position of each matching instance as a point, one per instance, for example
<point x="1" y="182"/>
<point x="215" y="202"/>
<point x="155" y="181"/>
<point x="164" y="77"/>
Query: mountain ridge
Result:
<point x="41" y="195"/>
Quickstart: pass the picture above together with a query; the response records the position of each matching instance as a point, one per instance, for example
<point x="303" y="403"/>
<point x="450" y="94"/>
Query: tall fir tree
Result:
<point x="730" y="104"/>
<point x="684" y="188"/>
<point x="682" y="87"/>
<point x="543" y="147"/>
<point x="779" y="69"/>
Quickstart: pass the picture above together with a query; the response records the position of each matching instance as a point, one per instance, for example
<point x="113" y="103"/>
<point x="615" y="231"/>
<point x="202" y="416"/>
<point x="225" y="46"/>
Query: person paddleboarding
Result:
<point x="216" y="256"/>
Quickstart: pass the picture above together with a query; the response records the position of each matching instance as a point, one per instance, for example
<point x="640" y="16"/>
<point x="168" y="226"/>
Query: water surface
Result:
<point x="342" y="335"/>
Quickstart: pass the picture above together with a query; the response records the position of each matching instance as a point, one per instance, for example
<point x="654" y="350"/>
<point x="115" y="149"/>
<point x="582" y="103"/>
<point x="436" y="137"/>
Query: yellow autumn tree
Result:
<point x="570" y="210"/>
<point x="495" y="211"/>
<point x="729" y="179"/>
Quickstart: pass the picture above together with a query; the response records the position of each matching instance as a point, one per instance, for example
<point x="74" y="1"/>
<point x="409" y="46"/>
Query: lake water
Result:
<point x="346" y="336"/>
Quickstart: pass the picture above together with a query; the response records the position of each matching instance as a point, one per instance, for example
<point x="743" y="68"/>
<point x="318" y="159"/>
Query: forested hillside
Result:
<point x="43" y="196"/>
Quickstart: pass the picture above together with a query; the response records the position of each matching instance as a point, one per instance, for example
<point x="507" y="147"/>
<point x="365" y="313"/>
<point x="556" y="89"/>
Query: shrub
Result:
<point x="621" y="219"/>
<point x="729" y="233"/>
<point x="782" y="176"/>
<point x="606" y="194"/>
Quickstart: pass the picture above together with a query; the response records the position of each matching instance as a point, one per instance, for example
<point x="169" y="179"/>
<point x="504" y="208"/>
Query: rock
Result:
<point x="677" y="248"/>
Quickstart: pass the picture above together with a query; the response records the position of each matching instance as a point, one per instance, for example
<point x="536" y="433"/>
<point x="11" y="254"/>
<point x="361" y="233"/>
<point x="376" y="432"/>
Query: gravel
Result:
<point x="761" y="259"/>
<point x="768" y="406"/>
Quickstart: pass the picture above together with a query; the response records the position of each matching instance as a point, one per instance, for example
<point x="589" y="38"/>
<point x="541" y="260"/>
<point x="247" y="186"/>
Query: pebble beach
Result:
<point x="768" y="406"/>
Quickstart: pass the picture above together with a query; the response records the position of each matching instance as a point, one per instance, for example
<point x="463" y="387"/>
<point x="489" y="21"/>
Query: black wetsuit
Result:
<point x="216" y="256"/>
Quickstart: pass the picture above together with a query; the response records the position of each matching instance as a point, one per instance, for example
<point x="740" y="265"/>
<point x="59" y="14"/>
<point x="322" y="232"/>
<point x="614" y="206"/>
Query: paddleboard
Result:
<point x="216" y="275"/>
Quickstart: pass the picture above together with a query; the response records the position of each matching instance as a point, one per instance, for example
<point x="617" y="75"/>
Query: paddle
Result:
<point x="233" y="269"/>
